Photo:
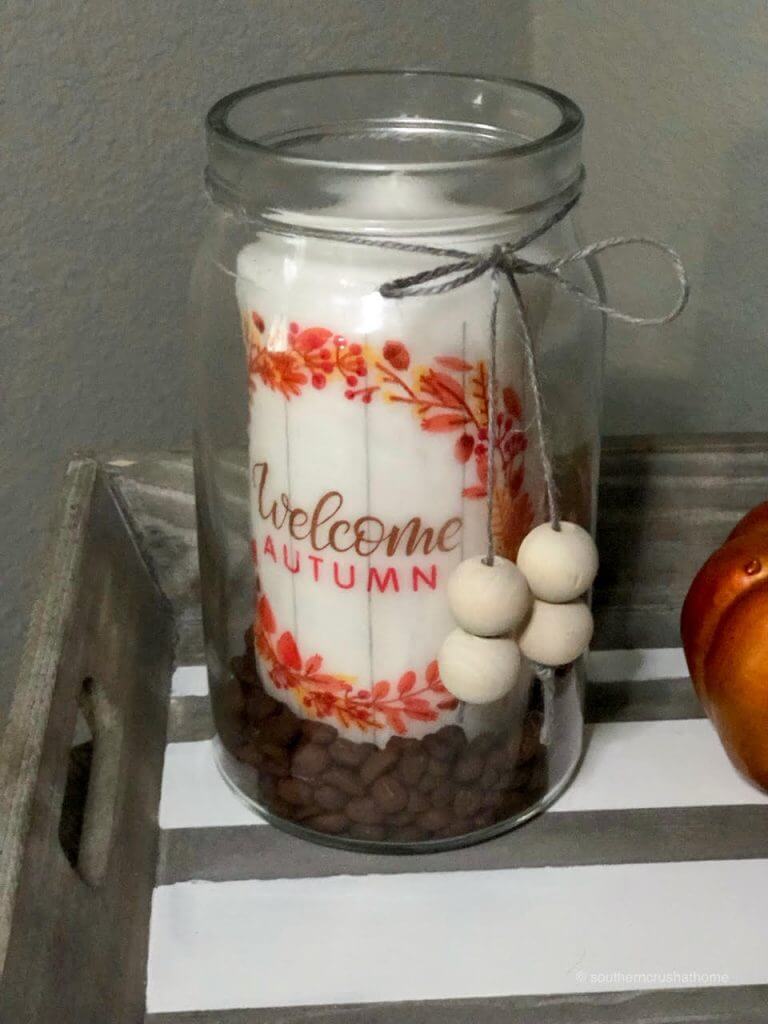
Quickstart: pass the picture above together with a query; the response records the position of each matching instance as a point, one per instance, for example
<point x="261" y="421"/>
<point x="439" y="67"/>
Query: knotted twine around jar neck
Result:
<point x="503" y="261"/>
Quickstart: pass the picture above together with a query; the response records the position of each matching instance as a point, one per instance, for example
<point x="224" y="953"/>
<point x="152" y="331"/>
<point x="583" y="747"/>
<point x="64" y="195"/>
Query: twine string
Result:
<point x="459" y="268"/>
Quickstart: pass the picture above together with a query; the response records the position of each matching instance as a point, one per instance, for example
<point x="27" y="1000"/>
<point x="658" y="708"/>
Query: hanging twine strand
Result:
<point x="505" y="261"/>
<point x="492" y="411"/>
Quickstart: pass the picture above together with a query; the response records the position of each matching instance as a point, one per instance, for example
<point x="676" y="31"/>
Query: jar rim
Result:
<point x="571" y="121"/>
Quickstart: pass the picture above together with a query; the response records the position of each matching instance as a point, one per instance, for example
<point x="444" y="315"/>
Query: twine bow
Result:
<point x="504" y="261"/>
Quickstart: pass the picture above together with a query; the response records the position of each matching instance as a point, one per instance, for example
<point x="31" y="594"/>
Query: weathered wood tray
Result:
<point x="641" y="896"/>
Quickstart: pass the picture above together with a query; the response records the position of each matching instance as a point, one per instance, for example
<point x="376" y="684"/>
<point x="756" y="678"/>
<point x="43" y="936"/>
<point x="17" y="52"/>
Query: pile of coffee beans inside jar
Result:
<point x="441" y="786"/>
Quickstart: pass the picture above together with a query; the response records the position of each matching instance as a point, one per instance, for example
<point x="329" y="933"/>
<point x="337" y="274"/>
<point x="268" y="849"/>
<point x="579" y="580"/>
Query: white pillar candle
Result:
<point x="367" y="449"/>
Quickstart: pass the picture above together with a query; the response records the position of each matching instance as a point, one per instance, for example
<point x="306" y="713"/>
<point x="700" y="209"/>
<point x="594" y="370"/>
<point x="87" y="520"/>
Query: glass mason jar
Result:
<point x="341" y="447"/>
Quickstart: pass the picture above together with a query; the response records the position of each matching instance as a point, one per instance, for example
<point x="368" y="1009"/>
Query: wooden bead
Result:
<point x="556" y="634"/>
<point x="478" y="669"/>
<point x="488" y="600"/>
<point x="560" y="565"/>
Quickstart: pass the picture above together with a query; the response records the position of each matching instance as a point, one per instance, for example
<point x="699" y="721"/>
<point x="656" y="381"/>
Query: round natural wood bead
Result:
<point x="478" y="669"/>
<point x="556" y="634"/>
<point x="560" y="565"/>
<point x="488" y="600"/>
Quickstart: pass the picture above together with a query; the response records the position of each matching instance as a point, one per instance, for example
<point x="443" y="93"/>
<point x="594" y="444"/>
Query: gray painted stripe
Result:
<point x="646" y="700"/>
<point x="565" y="839"/>
<point x="727" y="1005"/>
<point x="189" y="718"/>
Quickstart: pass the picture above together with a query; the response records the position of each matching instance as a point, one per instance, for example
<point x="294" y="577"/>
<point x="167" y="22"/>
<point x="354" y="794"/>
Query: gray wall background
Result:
<point x="100" y="173"/>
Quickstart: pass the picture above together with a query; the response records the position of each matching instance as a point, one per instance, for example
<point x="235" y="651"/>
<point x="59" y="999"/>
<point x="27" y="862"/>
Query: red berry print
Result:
<point x="397" y="355"/>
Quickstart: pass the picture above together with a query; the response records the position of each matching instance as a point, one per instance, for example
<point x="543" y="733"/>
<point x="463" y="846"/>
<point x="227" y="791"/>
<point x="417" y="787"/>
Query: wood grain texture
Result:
<point x="122" y="591"/>
<point x="77" y="952"/>
<point x="727" y="1005"/>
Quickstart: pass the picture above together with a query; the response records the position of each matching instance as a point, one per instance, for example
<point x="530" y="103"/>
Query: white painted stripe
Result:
<point x="637" y="665"/>
<point x="656" y="764"/>
<point x="189" y="681"/>
<point x="457" y="935"/>
<point x="627" y="765"/>
<point x="194" y="795"/>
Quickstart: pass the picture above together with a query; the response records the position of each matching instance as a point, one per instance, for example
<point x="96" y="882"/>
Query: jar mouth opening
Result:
<point x="374" y="120"/>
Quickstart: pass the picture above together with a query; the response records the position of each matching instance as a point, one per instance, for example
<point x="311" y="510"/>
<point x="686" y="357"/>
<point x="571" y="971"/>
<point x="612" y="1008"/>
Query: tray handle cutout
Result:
<point x="88" y="809"/>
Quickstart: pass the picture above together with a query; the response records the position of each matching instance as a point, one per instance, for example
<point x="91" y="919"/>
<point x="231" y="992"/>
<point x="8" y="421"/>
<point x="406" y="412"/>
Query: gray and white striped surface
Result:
<point x="641" y="895"/>
<point x="655" y="858"/>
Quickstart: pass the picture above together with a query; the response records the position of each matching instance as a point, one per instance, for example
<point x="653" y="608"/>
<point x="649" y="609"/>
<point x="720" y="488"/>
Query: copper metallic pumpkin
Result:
<point x="724" y="629"/>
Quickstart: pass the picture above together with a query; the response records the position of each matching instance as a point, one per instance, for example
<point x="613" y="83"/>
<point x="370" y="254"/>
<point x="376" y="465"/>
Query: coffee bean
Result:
<point x="347" y="753"/>
<point x="295" y="792"/>
<point x="412" y="767"/>
<point x="513" y="803"/>
<point x="527" y="750"/>
<point x="499" y="759"/>
<point x="537" y="782"/>
<point x="427" y="783"/>
<point x="280" y="729"/>
<point x="260" y="706"/>
<point x="280" y="808"/>
<point x="333" y="824"/>
<point x="274" y="760"/>
<point x="378" y="764"/>
<point x="468" y="768"/>
<point x="484" y="819"/>
<point x="442" y="795"/>
<point x="364" y="811"/>
<point x="439" y="769"/>
<point x="244" y="670"/>
<point x="319" y="732"/>
<point x="390" y="795"/>
<point x="409" y="834"/>
<point x="402" y="744"/>
<point x="417" y="802"/>
<point x="455" y="828"/>
<point x="489" y="778"/>
<point x="467" y="803"/>
<point x="330" y="798"/>
<point x="362" y="830"/>
<point x="491" y="799"/>
<point x="436" y="818"/>
<point x="248" y="754"/>
<point x="309" y="761"/>
<point x="302" y="813"/>
<point x="482" y="744"/>
<point x="345" y="780"/>
<point x="400" y="819"/>
<point x="440" y="749"/>
<point x="267" y="787"/>
<point x="453" y="735"/>
<point x="273" y="754"/>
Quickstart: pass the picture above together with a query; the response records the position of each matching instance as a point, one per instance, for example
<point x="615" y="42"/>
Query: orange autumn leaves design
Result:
<point x="450" y="397"/>
<point x="323" y="695"/>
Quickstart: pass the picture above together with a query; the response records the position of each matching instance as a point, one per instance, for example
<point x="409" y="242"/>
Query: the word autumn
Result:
<point x="326" y="529"/>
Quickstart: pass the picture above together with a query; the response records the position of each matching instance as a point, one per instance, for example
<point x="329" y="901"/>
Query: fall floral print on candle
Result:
<point x="449" y="398"/>
<point x="325" y="694"/>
